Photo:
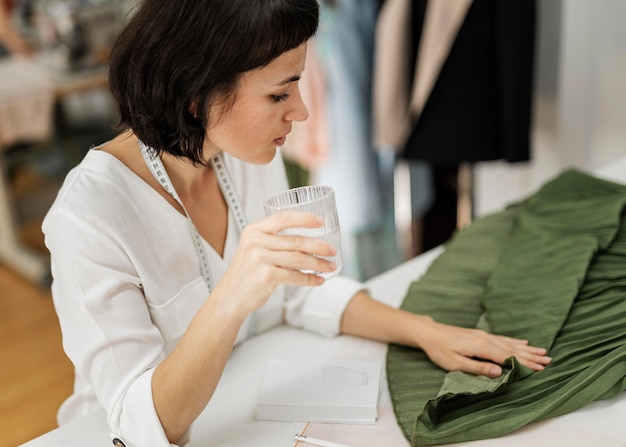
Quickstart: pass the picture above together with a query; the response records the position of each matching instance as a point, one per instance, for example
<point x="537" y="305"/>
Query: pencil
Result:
<point x="318" y="442"/>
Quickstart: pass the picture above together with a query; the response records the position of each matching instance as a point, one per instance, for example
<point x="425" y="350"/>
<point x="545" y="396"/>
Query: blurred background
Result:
<point x="425" y="115"/>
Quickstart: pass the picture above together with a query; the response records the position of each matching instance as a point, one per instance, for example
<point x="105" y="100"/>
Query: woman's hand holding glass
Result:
<point x="264" y="259"/>
<point x="314" y="199"/>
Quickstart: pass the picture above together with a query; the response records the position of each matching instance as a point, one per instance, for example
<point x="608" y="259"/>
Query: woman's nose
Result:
<point x="299" y="111"/>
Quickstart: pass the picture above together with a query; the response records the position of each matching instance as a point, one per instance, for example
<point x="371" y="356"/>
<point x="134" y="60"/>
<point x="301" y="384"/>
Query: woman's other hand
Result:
<point x="476" y="351"/>
<point x="453" y="348"/>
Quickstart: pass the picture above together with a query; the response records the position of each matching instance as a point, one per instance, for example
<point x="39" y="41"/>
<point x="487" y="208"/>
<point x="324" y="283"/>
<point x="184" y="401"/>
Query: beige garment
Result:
<point x="26" y="102"/>
<point x="308" y="143"/>
<point x="398" y="100"/>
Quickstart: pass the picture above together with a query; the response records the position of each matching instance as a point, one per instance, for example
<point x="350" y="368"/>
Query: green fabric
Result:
<point x="296" y="175"/>
<point x="551" y="269"/>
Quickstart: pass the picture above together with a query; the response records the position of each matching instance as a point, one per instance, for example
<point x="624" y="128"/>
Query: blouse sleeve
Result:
<point x="106" y="326"/>
<point x="319" y="309"/>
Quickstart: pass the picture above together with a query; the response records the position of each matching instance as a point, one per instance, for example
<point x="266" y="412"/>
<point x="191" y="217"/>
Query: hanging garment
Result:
<point x="549" y="269"/>
<point x="307" y="144"/>
<point x="346" y="43"/>
<point x="453" y="79"/>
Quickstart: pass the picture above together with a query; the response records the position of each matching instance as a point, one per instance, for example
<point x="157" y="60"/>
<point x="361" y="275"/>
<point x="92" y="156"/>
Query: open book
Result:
<point x="338" y="391"/>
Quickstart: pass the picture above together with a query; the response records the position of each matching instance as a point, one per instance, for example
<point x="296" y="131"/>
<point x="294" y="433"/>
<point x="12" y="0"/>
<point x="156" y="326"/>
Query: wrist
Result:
<point x="421" y="330"/>
<point x="223" y="306"/>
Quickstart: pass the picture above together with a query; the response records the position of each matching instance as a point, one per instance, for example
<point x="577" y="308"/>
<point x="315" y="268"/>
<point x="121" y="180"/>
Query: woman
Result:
<point x="155" y="276"/>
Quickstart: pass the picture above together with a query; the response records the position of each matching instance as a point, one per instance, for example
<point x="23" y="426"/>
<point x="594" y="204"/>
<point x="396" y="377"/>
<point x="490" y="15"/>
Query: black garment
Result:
<point x="480" y="106"/>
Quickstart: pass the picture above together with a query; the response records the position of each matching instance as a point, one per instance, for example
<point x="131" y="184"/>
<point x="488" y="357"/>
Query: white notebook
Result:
<point x="339" y="391"/>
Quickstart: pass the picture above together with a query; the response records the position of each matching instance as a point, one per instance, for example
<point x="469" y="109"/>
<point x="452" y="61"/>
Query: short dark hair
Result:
<point x="178" y="56"/>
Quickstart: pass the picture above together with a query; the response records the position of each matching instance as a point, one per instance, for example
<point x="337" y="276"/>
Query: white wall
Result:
<point x="580" y="100"/>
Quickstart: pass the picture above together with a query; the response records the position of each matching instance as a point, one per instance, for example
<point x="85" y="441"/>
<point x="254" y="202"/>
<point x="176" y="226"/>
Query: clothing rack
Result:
<point x="408" y="228"/>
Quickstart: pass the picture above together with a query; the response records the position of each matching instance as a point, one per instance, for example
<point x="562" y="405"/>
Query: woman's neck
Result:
<point x="186" y="177"/>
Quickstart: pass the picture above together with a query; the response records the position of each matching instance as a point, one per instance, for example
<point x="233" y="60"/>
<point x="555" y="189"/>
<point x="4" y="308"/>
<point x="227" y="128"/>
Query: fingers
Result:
<point x="298" y="278"/>
<point x="278" y="259"/>
<point x="264" y="260"/>
<point x="289" y="219"/>
<point x="300" y="261"/>
<point x="493" y="370"/>
<point x="289" y="252"/>
<point x="267" y="232"/>
<point x="301" y="244"/>
<point x="536" y="362"/>
<point x="480" y="367"/>
<point x="477" y="352"/>
<point x="500" y="348"/>
<point x="531" y="356"/>
<point x="490" y="369"/>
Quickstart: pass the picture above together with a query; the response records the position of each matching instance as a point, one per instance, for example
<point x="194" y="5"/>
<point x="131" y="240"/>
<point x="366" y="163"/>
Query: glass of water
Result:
<point x="314" y="199"/>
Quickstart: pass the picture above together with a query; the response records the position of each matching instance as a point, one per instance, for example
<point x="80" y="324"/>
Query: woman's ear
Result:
<point x="193" y="108"/>
<point x="191" y="114"/>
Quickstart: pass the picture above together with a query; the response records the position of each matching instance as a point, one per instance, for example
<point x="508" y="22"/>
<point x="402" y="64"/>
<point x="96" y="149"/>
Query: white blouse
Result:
<point x="127" y="283"/>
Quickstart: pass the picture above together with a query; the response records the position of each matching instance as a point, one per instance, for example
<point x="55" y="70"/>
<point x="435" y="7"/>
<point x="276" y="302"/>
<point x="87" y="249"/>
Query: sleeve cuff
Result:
<point x="325" y="305"/>
<point x="136" y="423"/>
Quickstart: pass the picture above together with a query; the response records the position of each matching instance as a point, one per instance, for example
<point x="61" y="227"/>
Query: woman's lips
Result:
<point x="280" y="141"/>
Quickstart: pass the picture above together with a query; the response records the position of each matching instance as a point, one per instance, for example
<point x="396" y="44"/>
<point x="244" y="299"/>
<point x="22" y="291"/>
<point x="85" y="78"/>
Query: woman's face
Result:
<point x="267" y="101"/>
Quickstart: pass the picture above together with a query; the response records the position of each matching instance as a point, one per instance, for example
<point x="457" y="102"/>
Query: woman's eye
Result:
<point x="280" y="98"/>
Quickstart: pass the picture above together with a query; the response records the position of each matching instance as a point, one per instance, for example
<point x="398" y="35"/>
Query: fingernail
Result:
<point x="495" y="371"/>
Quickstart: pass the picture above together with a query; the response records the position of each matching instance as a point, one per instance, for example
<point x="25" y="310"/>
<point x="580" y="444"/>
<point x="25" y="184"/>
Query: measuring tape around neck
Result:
<point x="230" y="195"/>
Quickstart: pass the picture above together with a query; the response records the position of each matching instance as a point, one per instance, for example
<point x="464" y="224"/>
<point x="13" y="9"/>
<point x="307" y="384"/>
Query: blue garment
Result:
<point x="346" y="44"/>
<point x="362" y="176"/>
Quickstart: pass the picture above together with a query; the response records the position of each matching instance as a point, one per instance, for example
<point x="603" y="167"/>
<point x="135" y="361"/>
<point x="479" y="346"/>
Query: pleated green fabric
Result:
<point x="551" y="269"/>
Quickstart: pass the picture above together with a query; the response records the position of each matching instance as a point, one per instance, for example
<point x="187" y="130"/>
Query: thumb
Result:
<point x="481" y="368"/>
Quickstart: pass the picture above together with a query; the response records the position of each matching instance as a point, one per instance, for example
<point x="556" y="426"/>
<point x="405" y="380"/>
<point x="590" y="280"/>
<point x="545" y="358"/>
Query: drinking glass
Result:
<point x="314" y="199"/>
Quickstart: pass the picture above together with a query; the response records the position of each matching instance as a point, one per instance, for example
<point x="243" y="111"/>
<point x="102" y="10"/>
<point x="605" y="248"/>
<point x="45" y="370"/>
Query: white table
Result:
<point x="229" y="420"/>
<point x="26" y="116"/>
<point x="28" y="90"/>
